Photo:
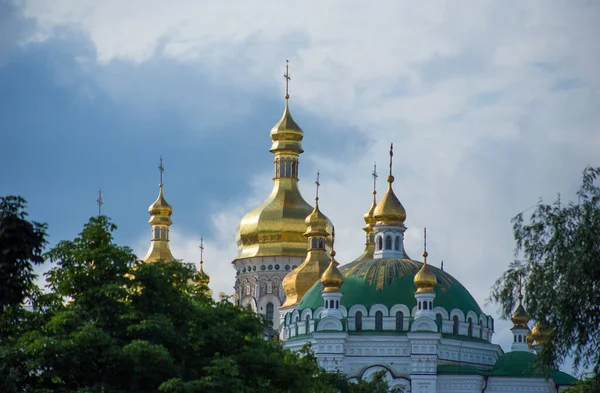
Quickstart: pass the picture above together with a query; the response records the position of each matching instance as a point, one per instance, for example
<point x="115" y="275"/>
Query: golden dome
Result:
<point x="286" y="134"/>
<point x="425" y="279"/>
<point x="160" y="221"/>
<point x="203" y="278"/>
<point x="369" y="215"/>
<point x="389" y="211"/>
<point x="160" y="207"/>
<point x="520" y="317"/>
<point x="277" y="226"/>
<point x="540" y="334"/>
<point x="332" y="278"/>
<point x="316" y="222"/>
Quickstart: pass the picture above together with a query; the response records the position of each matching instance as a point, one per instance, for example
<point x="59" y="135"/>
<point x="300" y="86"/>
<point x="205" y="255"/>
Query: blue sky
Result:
<point x="490" y="107"/>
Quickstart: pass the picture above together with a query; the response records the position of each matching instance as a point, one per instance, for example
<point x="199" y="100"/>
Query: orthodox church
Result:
<point x="383" y="311"/>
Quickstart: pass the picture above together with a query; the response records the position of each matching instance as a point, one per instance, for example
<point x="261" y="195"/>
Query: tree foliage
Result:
<point x="21" y="246"/>
<point x="112" y="324"/>
<point x="560" y="270"/>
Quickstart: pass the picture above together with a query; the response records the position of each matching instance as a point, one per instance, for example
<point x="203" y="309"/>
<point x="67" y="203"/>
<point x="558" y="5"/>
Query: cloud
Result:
<point x="489" y="105"/>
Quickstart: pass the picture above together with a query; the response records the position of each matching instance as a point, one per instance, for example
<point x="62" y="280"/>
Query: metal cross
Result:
<point x="318" y="184"/>
<point x="201" y="250"/>
<point x="425" y="245"/>
<point x="100" y="202"/>
<point x="287" y="79"/>
<point x="161" y="169"/>
<point x="391" y="155"/>
<point x="375" y="176"/>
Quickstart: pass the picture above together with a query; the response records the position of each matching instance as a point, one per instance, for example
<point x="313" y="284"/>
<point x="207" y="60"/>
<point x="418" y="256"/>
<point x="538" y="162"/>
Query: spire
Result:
<point x="332" y="278"/>
<point x="203" y="278"/>
<point x="318" y="184"/>
<point x="424" y="279"/>
<point x="390" y="211"/>
<point x="287" y="79"/>
<point x="520" y="318"/>
<point x="160" y="221"/>
<point x="100" y="202"/>
<point x="369" y="219"/>
<point x="286" y="135"/>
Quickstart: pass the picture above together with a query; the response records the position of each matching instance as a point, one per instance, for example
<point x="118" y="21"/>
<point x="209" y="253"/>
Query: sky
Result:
<point x="490" y="106"/>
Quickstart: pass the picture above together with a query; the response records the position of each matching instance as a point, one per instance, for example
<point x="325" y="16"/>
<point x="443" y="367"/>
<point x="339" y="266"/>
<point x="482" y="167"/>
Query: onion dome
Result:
<point x="286" y="135"/>
<point x="160" y="221"/>
<point x="389" y="211"/>
<point x="369" y="215"/>
<point x="425" y="279"/>
<point x="296" y="283"/>
<point x="203" y="278"/>
<point x="520" y="317"/>
<point x="540" y="334"/>
<point x="332" y="278"/>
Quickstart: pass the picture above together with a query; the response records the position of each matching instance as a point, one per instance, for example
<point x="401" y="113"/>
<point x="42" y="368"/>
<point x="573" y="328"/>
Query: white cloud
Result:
<point x="490" y="106"/>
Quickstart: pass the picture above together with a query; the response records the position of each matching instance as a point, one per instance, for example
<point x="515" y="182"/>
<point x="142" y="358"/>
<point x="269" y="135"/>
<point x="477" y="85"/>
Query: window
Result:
<point x="331" y="304"/>
<point x="156" y="232"/>
<point x="455" y="325"/>
<point x="399" y="321"/>
<point x="425" y="305"/>
<point x="337" y="304"/>
<point x="397" y="243"/>
<point x="378" y="321"/>
<point x="294" y="171"/>
<point x="307" y="326"/>
<point x="439" y="320"/>
<point x="321" y="244"/>
<point x="470" y="329"/>
<point x="281" y="168"/>
<point x="358" y="321"/>
<point x="519" y="338"/>
<point x="388" y="242"/>
<point x="288" y="168"/>
<point x="163" y="233"/>
<point x="514" y="338"/>
<point x="297" y="321"/>
<point x="314" y="242"/>
<point x="379" y="243"/>
<point x="269" y="311"/>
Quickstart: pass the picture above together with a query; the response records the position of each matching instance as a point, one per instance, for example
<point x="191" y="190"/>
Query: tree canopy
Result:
<point x="21" y="246"/>
<point x="559" y="272"/>
<point x="110" y="323"/>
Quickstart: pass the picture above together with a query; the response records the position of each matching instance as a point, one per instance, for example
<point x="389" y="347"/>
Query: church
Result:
<point x="383" y="311"/>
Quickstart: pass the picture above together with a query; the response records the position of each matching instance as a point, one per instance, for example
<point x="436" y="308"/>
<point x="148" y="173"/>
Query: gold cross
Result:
<point x="391" y="155"/>
<point x="201" y="250"/>
<point x="375" y="176"/>
<point x="287" y="79"/>
<point x="318" y="184"/>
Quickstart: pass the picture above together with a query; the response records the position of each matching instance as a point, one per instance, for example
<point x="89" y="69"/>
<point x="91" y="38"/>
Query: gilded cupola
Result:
<point x="332" y="279"/>
<point x="540" y="335"/>
<point x="160" y="221"/>
<point x="277" y="226"/>
<point x="520" y="318"/>
<point x="301" y="279"/>
<point x="390" y="211"/>
<point x="425" y="279"/>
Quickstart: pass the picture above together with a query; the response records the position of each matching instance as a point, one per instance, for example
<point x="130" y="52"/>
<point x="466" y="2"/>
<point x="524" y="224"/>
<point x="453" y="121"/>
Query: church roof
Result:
<point x="389" y="281"/>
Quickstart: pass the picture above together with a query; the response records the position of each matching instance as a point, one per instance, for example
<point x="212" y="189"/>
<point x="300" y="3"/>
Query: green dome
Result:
<point x="389" y="281"/>
<point x="524" y="364"/>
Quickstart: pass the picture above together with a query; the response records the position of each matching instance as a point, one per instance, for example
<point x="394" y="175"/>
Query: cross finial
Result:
<point x="318" y="184"/>
<point x="391" y="155"/>
<point x="332" y="253"/>
<point x="375" y="176"/>
<point x="201" y="250"/>
<point x="425" y="245"/>
<point x="100" y="202"/>
<point x="287" y="79"/>
<point x="161" y="169"/>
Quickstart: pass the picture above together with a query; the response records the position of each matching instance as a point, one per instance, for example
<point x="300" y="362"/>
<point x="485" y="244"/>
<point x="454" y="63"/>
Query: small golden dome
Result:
<point x="316" y="222"/>
<point x="369" y="215"/>
<point x="425" y="279"/>
<point x="540" y="334"/>
<point x="160" y="207"/>
<point x="203" y="278"/>
<point x="332" y="278"/>
<point x="520" y="317"/>
<point x="286" y="134"/>
<point x="389" y="210"/>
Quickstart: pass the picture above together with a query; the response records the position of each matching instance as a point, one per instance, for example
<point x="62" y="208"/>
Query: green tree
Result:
<point x="21" y="246"/>
<point x="113" y="324"/>
<point x="560" y="273"/>
<point x="588" y="385"/>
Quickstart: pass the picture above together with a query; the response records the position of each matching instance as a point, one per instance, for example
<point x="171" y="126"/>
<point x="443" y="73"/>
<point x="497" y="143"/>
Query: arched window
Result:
<point x="358" y="321"/>
<point x="321" y="244"/>
<point x="269" y="311"/>
<point x="163" y="233"/>
<point x="281" y="168"/>
<point x="307" y="325"/>
<point x="378" y="321"/>
<point x="397" y="243"/>
<point x="337" y="304"/>
<point x="455" y="325"/>
<point x="288" y="167"/>
<point x="276" y="168"/>
<point x="399" y="321"/>
<point x="425" y="305"/>
<point x="470" y="329"/>
<point x="519" y="338"/>
<point x="156" y="232"/>
<point x="294" y="171"/>
<point x="331" y="304"/>
<point x="439" y="321"/>
<point x="514" y="338"/>
<point x="388" y="242"/>
<point x="430" y="305"/>
<point x="379" y="243"/>
<point x="315" y="242"/>
<point x="297" y="322"/>
<point x="419" y="305"/>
